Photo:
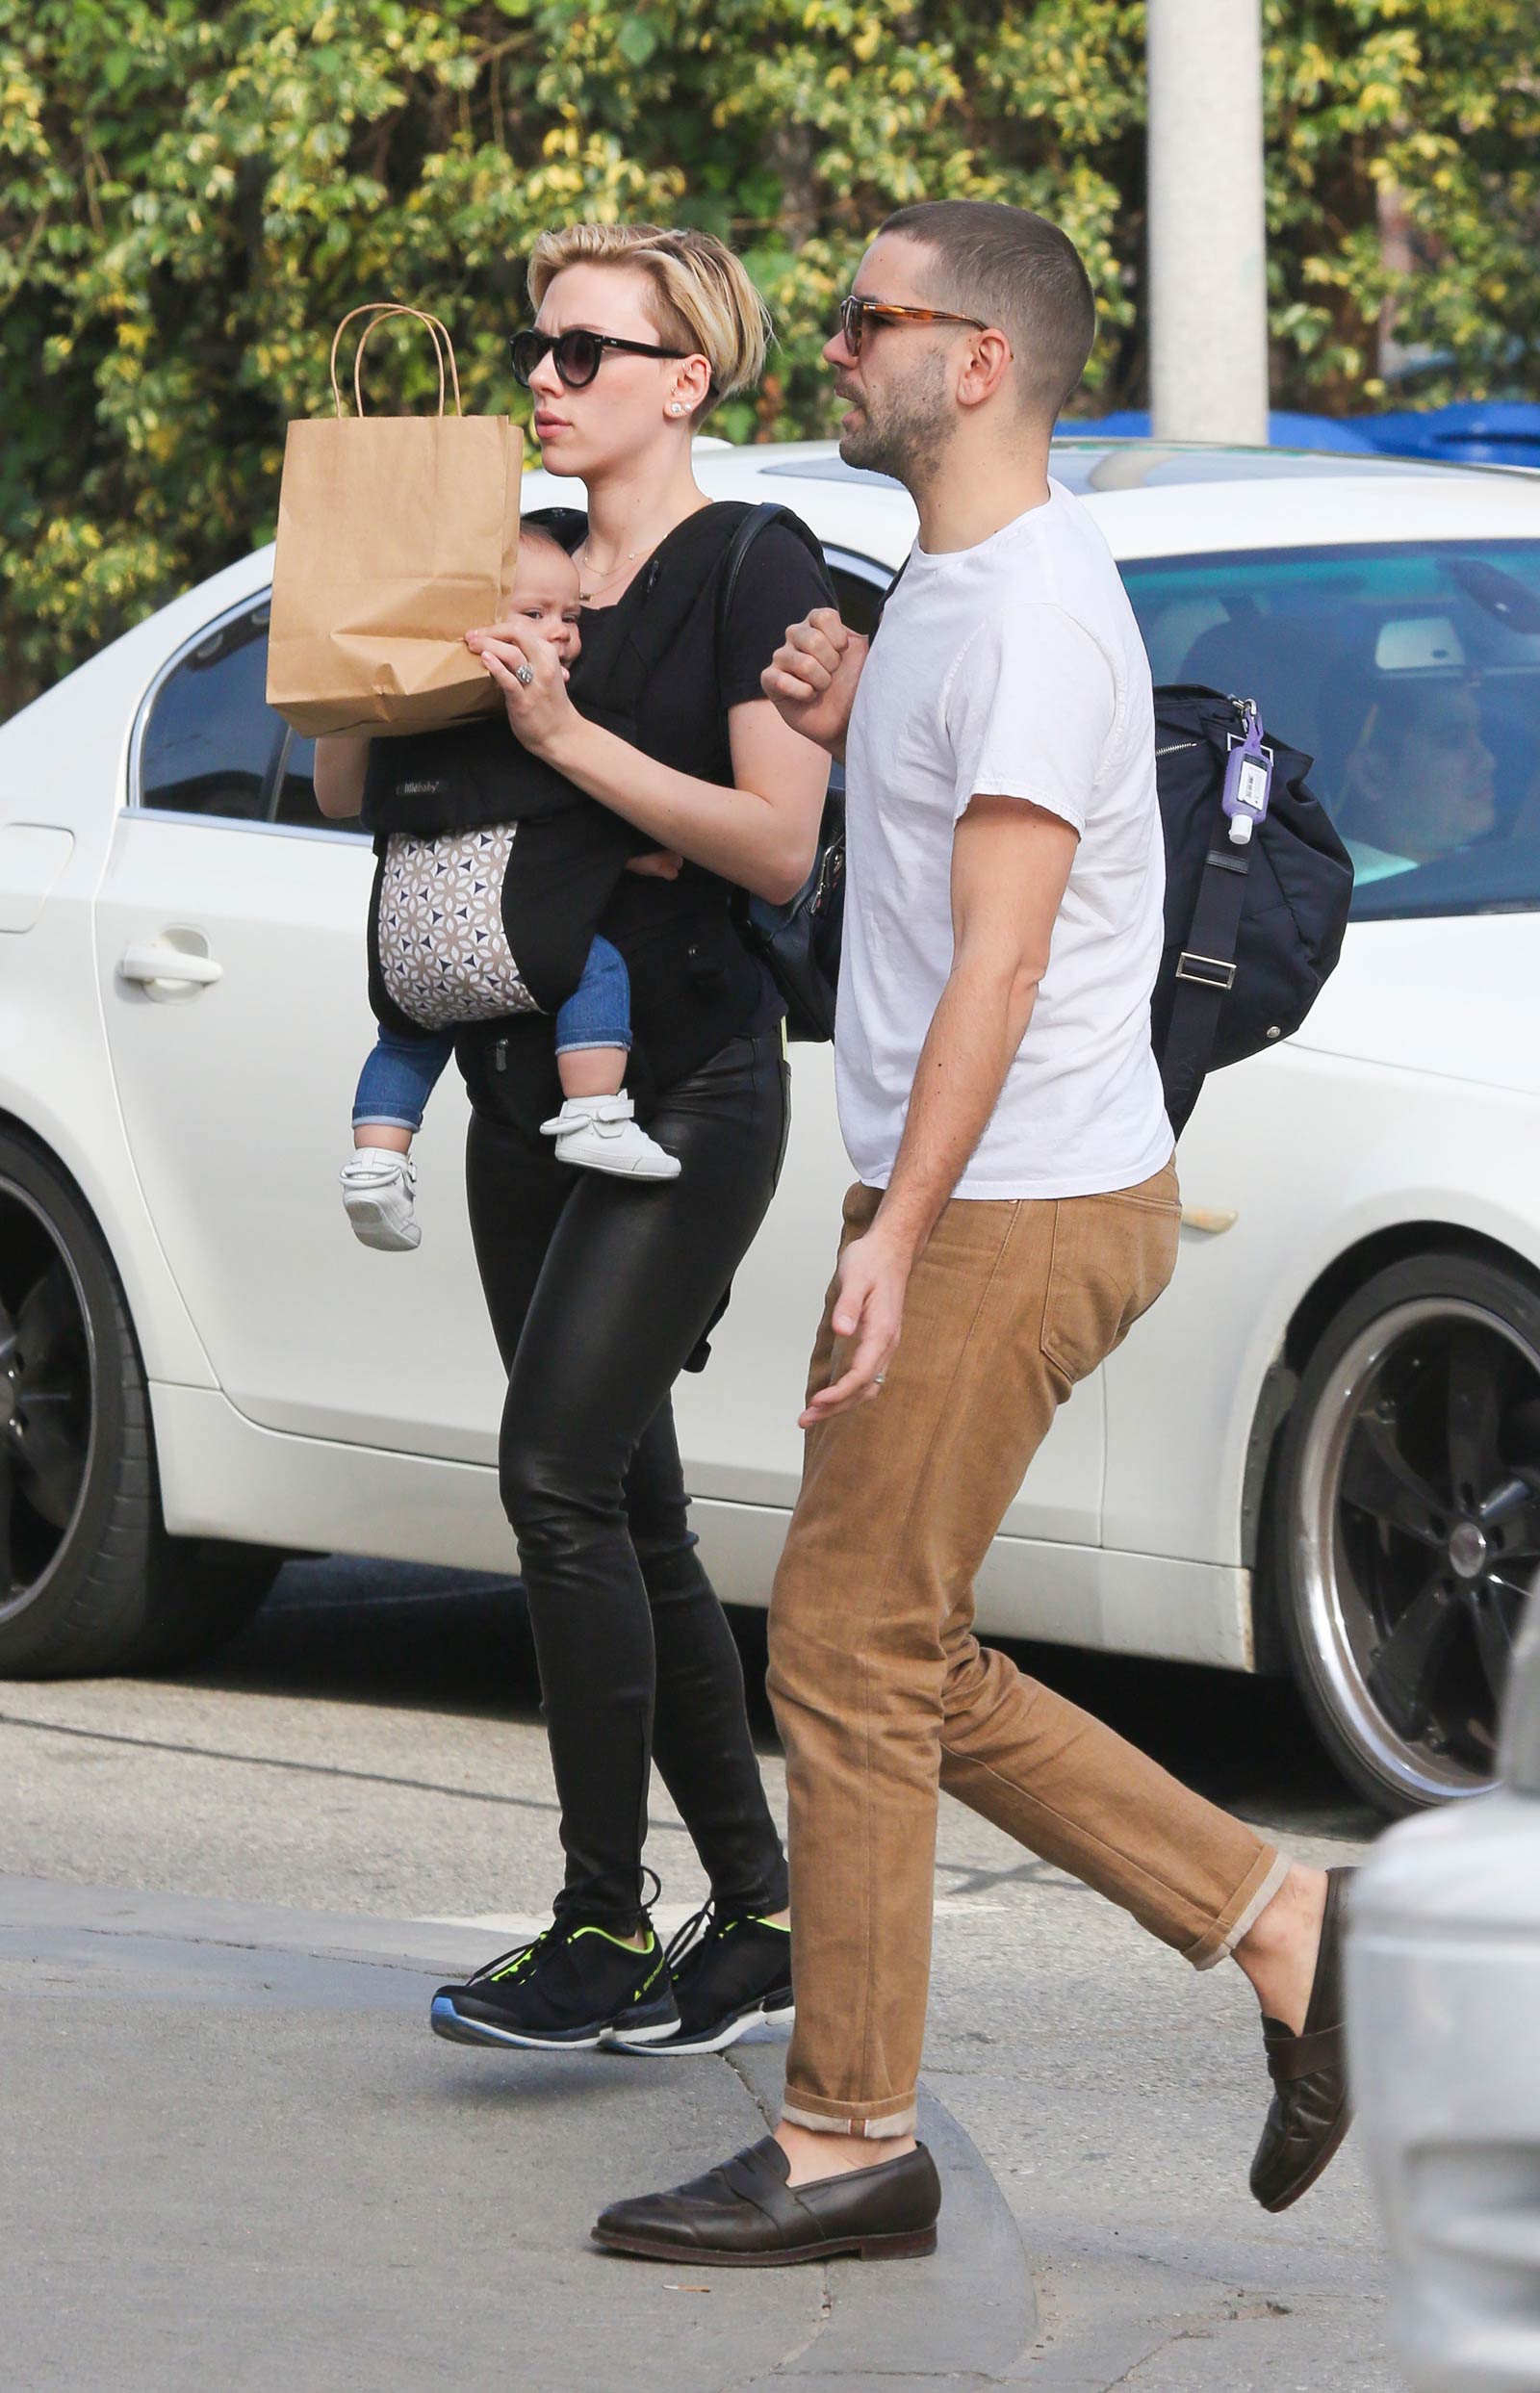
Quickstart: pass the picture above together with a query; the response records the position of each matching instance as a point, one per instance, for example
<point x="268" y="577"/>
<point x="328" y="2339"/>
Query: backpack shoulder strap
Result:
<point x="1205" y="973"/>
<point x="756" y="521"/>
<point x="1205" y="968"/>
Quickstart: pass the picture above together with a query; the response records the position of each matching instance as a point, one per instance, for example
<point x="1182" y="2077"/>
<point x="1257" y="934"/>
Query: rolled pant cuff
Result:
<point x="829" y="2119"/>
<point x="1245" y="1906"/>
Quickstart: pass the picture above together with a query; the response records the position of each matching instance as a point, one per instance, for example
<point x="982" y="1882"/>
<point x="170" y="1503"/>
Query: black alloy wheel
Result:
<point x="89" y="1579"/>
<point x="1406" y="1524"/>
<point x="47" y="1409"/>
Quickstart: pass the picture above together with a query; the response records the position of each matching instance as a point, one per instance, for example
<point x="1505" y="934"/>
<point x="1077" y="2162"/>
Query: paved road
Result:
<point x="373" y="1750"/>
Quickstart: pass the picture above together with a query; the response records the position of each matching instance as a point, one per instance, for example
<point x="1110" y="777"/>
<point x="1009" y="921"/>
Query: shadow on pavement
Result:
<point x="397" y="1633"/>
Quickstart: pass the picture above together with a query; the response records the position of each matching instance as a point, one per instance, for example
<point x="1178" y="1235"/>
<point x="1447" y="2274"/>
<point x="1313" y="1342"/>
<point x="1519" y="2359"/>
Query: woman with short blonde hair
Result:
<point x="701" y="295"/>
<point x="600" y="1292"/>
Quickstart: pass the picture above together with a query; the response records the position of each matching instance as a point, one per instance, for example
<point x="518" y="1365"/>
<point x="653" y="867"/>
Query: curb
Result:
<point x="964" y="2316"/>
<point x="413" y="1944"/>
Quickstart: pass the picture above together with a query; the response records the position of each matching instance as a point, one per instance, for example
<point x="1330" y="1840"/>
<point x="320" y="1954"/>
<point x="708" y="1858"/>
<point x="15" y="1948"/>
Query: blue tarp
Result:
<point x="1285" y="430"/>
<point x="1477" y="431"/>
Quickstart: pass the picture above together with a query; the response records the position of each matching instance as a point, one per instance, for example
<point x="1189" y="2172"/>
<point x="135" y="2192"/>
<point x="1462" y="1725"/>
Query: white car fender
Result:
<point x="1314" y="1157"/>
<point x="101" y="1168"/>
<point x="56" y="1082"/>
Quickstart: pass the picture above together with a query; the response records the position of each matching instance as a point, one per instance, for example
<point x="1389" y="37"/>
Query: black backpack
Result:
<point x="1252" y="930"/>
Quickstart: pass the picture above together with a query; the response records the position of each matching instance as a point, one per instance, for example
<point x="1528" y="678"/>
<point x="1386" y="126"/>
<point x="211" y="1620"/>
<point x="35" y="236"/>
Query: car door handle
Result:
<point x="159" y="963"/>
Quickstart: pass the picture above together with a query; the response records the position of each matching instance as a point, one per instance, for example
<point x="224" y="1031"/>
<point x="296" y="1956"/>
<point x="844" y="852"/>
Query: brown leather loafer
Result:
<point x="1309" y="2114"/>
<point x="744" y="2215"/>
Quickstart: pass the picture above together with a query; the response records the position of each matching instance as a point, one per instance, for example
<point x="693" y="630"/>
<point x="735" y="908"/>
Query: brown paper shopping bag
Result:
<point x="397" y="534"/>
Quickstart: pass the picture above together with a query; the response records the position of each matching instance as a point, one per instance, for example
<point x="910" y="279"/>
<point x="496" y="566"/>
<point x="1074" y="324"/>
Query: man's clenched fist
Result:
<point x="812" y="677"/>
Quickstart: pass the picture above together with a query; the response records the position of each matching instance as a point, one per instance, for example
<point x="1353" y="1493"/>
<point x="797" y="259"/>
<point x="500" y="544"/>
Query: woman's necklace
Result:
<point x="615" y="570"/>
<point x="604" y="579"/>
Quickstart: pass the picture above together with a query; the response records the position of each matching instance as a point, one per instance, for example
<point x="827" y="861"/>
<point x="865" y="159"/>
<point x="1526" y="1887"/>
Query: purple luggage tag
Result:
<point x="1247" y="778"/>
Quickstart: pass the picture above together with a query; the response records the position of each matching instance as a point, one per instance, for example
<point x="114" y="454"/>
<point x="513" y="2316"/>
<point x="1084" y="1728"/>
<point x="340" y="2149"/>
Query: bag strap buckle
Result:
<point x="1209" y="971"/>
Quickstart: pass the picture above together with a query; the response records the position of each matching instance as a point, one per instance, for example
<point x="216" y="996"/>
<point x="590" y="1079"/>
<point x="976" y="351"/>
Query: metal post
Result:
<point x="1207" y="224"/>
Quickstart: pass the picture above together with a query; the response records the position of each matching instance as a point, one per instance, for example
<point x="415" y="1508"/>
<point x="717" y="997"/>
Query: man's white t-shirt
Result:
<point x="1011" y="669"/>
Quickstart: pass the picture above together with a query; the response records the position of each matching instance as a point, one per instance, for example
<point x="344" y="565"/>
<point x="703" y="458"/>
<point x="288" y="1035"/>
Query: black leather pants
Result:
<point x="599" y="1289"/>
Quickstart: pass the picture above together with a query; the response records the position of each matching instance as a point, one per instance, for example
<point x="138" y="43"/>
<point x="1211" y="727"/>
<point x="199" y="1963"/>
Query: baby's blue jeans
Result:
<point x="403" y="1067"/>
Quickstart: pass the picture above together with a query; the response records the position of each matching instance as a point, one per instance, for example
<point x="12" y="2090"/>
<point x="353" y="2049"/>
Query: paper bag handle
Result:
<point x="377" y="310"/>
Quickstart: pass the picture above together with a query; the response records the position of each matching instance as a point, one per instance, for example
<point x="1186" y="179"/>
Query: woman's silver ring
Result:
<point x="524" y="675"/>
<point x="880" y="1380"/>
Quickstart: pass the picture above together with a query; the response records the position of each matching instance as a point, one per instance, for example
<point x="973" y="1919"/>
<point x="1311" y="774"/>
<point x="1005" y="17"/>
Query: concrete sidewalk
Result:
<point x="231" y="2149"/>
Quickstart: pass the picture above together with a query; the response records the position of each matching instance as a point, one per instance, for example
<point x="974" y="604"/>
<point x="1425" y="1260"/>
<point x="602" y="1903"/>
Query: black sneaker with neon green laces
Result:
<point x="570" y="1988"/>
<point x="732" y="1972"/>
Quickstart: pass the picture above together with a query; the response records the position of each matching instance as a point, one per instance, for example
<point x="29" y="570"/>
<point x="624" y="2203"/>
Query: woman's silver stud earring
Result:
<point x="674" y="409"/>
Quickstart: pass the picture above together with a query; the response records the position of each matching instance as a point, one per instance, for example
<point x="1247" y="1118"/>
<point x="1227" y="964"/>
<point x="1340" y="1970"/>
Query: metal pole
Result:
<point x="1207" y="224"/>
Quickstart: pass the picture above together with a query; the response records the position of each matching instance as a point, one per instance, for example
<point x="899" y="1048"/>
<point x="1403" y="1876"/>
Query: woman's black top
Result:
<point x="694" y="984"/>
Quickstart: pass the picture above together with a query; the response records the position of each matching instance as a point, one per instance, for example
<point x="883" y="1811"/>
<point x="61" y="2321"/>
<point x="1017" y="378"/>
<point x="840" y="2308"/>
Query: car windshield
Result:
<point x="1411" y="674"/>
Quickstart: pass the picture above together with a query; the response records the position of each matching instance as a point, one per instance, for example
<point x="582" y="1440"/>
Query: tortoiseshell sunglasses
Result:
<point x="854" y="314"/>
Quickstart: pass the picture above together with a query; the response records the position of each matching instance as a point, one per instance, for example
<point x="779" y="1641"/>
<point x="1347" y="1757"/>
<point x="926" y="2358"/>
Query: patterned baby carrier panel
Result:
<point x="444" y="953"/>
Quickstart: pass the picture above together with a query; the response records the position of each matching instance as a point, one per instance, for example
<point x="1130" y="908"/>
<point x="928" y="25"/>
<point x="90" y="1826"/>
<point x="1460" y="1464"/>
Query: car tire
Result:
<point x="1404" y="1524"/>
<point x="89" y="1581"/>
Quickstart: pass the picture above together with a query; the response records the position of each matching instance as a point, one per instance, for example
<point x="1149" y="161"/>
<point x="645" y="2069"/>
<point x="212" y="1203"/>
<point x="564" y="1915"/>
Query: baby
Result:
<point x="595" y="1127"/>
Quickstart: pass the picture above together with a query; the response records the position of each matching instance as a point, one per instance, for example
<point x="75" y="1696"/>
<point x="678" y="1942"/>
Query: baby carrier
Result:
<point x="568" y="852"/>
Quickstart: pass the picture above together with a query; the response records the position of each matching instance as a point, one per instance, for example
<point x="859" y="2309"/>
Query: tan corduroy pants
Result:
<point x="881" y="1691"/>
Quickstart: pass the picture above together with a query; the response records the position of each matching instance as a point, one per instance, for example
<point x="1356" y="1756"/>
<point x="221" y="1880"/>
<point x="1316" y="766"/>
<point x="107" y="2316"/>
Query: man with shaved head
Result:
<point x="1014" y="1211"/>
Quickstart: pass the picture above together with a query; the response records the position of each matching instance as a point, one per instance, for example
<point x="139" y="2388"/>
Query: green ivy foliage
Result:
<point x="193" y="192"/>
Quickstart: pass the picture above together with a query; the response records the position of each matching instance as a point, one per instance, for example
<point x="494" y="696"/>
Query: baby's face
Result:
<point x="545" y="594"/>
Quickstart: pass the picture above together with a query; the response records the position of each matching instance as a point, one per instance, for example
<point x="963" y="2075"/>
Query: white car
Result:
<point x="1305" y="1456"/>
<point x="1443" y="1996"/>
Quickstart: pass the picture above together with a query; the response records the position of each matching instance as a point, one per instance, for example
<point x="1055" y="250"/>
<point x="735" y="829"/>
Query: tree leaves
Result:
<point x="192" y="196"/>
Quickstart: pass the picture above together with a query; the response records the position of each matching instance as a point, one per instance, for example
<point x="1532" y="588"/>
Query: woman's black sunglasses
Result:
<point x="577" y="354"/>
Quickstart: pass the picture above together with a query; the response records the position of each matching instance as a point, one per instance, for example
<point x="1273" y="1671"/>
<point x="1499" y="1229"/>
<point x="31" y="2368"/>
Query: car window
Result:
<point x="1411" y="674"/>
<point x="295" y="801"/>
<point x="213" y="745"/>
<point x="212" y="742"/>
<point x="859" y="595"/>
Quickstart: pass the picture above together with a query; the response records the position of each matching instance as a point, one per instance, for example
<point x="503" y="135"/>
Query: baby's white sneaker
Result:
<point x="378" y="1187"/>
<point x="603" y="1134"/>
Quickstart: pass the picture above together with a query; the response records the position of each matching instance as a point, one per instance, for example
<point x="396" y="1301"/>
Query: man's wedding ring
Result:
<point x="524" y="675"/>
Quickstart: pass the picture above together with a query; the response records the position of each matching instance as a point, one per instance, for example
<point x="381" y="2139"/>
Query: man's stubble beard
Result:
<point x="909" y="436"/>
